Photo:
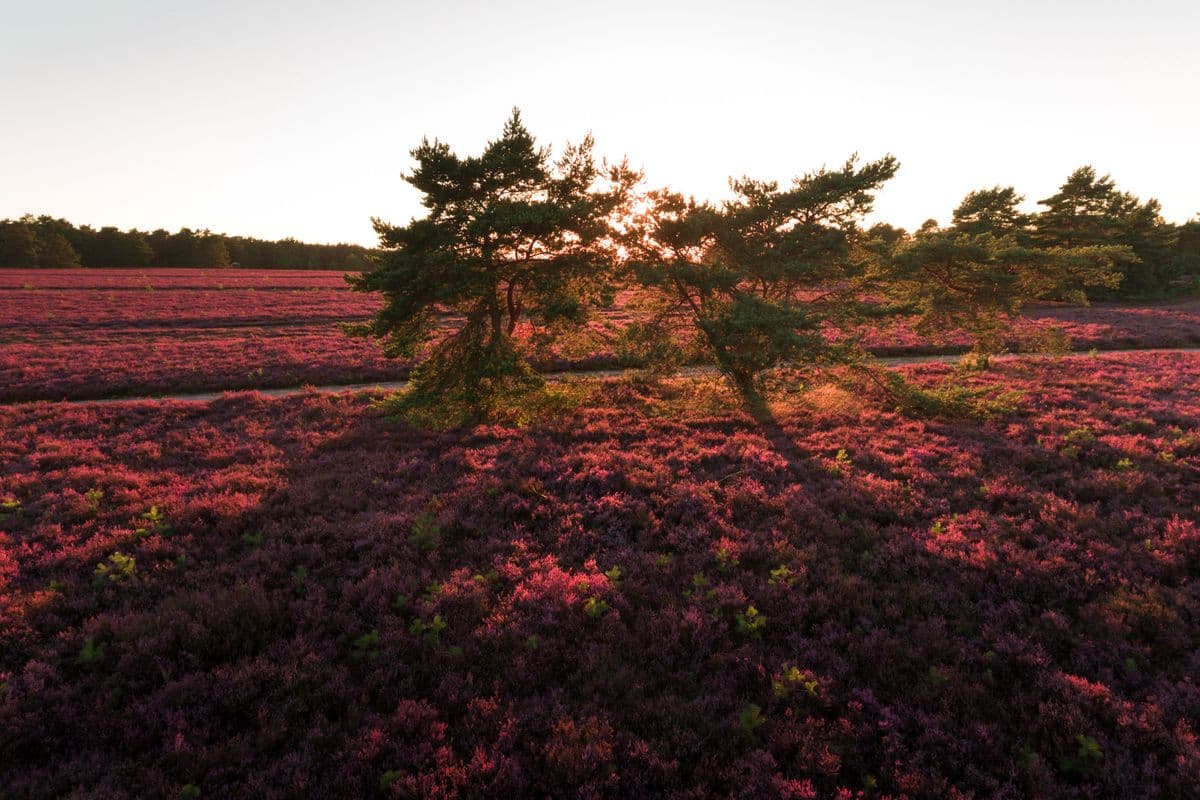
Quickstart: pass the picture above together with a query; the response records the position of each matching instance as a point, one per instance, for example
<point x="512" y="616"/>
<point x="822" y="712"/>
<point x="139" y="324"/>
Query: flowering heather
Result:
<point x="66" y="309"/>
<point x="127" y="362"/>
<point x="267" y="328"/>
<point x="650" y="597"/>
<point x="159" y="278"/>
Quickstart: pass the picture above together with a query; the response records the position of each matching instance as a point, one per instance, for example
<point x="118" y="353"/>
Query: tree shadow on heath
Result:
<point x="534" y="611"/>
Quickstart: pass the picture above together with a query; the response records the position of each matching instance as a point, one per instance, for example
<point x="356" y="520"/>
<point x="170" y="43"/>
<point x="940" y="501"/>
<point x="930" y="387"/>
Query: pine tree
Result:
<point x="509" y="237"/>
<point x="992" y="211"/>
<point x="978" y="283"/>
<point x="765" y="274"/>
<point x="1090" y="211"/>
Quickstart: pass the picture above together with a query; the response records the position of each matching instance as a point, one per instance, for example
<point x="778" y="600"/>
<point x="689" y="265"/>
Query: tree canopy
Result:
<point x="1088" y="210"/>
<point x="510" y="236"/>
<point x="764" y="274"/>
<point x="978" y="283"/>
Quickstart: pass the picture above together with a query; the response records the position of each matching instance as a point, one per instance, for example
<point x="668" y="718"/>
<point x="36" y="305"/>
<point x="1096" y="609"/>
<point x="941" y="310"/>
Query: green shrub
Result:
<point x="750" y="622"/>
<point x="117" y="569"/>
<point x="751" y="718"/>
<point x="91" y="653"/>
<point x="366" y="647"/>
<point x="595" y="607"/>
<point x="426" y="534"/>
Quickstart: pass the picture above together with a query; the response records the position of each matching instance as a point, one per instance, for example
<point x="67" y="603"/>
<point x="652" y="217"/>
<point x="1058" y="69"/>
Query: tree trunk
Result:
<point x="497" y="317"/>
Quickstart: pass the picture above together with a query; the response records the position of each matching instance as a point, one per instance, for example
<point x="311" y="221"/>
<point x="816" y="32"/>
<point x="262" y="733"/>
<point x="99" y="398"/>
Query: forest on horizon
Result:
<point x="52" y="243"/>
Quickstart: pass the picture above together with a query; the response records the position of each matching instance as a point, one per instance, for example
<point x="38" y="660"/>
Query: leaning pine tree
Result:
<point x="767" y="277"/>
<point x="510" y="237"/>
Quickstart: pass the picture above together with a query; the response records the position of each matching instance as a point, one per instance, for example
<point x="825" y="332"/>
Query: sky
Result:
<point x="291" y="118"/>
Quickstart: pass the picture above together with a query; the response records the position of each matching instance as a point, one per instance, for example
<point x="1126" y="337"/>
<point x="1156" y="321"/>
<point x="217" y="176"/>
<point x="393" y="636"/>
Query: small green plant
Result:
<point x="936" y="677"/>
<point x="117" y="569"/>
<point x="750" y="622"/>
<point x="781" y="576"/>
<point x="1027" y="758"/>
<point x="1080" y="436"/>
<point x="700" y="587"/>
<point x="613" y="575"/>
<point x="366" y="647"/>
<point x="1124" y="465"/>
<point x="751" y="718"/>
<point x="430" y="594"/>
<point x="299" y="575"/>
<point x="91" y="653"/>
<point x="388" y="778"/>
<point x="531" y="642"/>
<point x="190" y="791"/>
<point x="252" y="539"/>
<point x="426" y="534"/>
<point x="595" y="607"/>
<point x="93" y="497"/>
<point x="791" y="679"/>
<point x="432" y="630"/>
<point x="155" y="523"/>
<point x="726" y="558"/>
<point x="1084" y="760"/>
<point x="55" y="585"/>
<point x="9" y="508"/>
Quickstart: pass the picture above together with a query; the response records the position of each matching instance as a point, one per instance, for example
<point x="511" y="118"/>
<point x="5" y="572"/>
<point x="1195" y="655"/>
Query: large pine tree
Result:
<point x="510" y="236"/>
<point x="1089" y="210"/>
<point x="765" y="275"/>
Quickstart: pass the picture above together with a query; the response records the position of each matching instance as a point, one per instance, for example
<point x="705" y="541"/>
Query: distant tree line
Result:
<point x="47" y="242"/>
<point x="1089" y="211"/>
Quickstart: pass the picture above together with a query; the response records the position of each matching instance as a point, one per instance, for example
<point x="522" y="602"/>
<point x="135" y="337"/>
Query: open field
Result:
<point x="163" y="278"/>
<point x="653" y="596"/>
<point x="101" y="333"/>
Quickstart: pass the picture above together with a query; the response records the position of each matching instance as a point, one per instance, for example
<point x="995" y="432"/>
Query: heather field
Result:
<point x="102" y="333"/>
<point x="654" y="595"/>
<point x="165" y="278"/>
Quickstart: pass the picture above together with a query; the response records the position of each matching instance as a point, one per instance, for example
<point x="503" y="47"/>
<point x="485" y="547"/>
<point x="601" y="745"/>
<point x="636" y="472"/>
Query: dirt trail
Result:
<point x="204" y="397"/>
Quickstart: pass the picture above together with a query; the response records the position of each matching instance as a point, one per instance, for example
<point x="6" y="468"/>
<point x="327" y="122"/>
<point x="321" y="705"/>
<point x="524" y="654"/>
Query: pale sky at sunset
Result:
<point x="291" y="118"/>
